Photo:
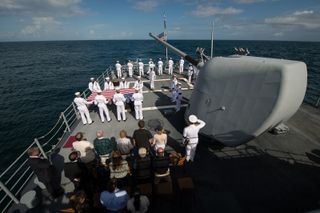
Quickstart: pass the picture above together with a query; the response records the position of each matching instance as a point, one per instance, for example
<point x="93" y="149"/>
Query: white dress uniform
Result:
<point x="94" y="86"/>
<point x="152" y="77"/>
<point x="170" y="67"/>
<point x="118" y="69"/>
<point x="137" y="99"/>
<point x="108" y="85"/>
<point x="124" y="85"/>
<point x="160" y="67"/>
<point x="138" y="85"/>
<point x="181" y="64"/>
<point x="119" y="100"/>
<point x="141" y="71"/>
<point x="101" y="102"/>
<point x="149" y="67"/>
<point x="190" y="73"/>
<point x="191" y="132"/>
<point x="178" y="99"/>
<point x="130" y="68"/>
<point x="82" y="107"/>
<point x="173" y="88"/>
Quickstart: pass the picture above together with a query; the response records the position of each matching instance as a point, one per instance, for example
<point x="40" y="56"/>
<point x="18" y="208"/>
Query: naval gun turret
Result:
<point x="240" y="97"/>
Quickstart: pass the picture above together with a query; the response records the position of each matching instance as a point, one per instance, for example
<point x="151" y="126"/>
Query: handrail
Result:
<point x="14" y="184"/>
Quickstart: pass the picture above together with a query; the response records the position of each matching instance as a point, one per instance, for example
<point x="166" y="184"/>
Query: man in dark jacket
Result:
<point x="46" y="173"/>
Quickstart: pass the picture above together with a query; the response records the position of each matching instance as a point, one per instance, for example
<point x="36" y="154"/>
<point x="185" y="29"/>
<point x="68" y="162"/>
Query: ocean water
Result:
<point x="38" y="79"/>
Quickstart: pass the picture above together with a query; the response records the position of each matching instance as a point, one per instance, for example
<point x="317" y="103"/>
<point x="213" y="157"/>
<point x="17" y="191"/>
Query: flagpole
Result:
<point x="165" y="33"/>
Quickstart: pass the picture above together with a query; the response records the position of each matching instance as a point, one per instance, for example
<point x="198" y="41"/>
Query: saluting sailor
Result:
<point x="137" y="99"/>
<point x="170" y="71"/>
<point x="152" y="75"/>
<point x="130" y="68"/>
<point x="101" y="102"/>
<point x="93" y="85"/>
<point x="181" y="64"/>
<point x="82" y="107"/>
<point x="118" y="69"/>
<point x="123" y="84"/>
<point x="119" y="101"/>
<point x="138" y="84"/>
<point x="108" y="85"/>
<point x="190" y="73"/>
<point x="160" y="67"/>
<point x="173" y="87"/>
<point x="178" y="98"/>
<point x="141" y="66"/>
<point x="190" y="136"/>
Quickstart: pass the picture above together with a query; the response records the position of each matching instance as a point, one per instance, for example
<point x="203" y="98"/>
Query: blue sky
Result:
<point x="32" y="20"/>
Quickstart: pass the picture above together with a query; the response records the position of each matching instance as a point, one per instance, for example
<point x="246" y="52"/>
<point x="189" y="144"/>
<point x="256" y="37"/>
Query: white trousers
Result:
<point x="120" y="110"/>
<point x="173" y="95"/>
<point x="152" y="84"/>
<point x="138" y="111"/>
<point x="119" y="74"/>
<point x="103" y="110"/>
<point x="141" y="72"/>
<point x="85" y="116"/>
<point x="181" y="69"/>
<point x="170" y="70"/>
<point x="130" y="72"/>
<point x="160" y="70"/>
<point x="191" y="151"/>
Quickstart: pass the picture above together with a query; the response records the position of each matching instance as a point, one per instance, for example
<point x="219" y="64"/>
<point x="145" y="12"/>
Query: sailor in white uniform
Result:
<point x="82" y="107"/>
<point x="178" y="97"/>
<point x="93" y="85"/>
<point x="119" y="101"/>
<point x="123" y="84"/>
<point x="181" y="64"/>
<point x="130" y="68"/>
<point x="101" y="102"/>
<point x="170" y="71"/>
<point x="108" y="85"/>
<point x="138" y="84"/>
<point x="118" y="69"/>
<point x="173" y="87"/>
<point x="190" y="136"/>
<point x="190" y="73"/>
<point x="160" y="67"/>
<point x="141" y="66"/>
<point x="152" y="76"/>
<point x="149" y="63"/>
<point x="137" y="99"/>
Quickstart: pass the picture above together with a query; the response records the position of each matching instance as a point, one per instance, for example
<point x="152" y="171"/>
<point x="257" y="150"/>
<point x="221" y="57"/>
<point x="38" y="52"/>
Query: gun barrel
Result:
<point x="174" y="49"/>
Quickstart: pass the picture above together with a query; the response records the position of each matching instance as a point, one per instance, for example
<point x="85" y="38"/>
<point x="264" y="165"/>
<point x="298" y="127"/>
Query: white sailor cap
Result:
<point x="150" y="59"/>
<point x="160" y="59"/>
<point x="193" y="119"/>
<point x="117" y="61"/>
<point x="107" y="78"/>
<point x="139" y="77"/>
<point x="77" y="93"/>
<point x="117" y="88"/>
<point x="99" y="91"/>
<point x="139" y="59"/>
<point x="122" y="78"/>
<point x="91" y="79"/>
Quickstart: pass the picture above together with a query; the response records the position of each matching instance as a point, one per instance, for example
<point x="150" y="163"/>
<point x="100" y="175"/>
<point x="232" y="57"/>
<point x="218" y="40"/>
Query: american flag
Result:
<point x="162" y="36"/>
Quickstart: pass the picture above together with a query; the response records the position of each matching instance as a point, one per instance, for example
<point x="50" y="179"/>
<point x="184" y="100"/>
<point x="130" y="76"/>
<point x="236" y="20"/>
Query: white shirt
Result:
<point x="81" y="102"/>
<point x="174" y="83"/>
<point x="100" y="100"/>
<point x="94" y="86"/>
<point x="152" y="66"/>
<point x="119" y="99"/>
<point x="130" y="65"/>
<point x="152" y="75"/>
<point x="81" y="147"/>
<point x="118" y="66"/>
<point x="170" y="63"/>
<point x="138" y="85"/>
<point x="190" y="70"/>
<point x="160" y="63"/>
<point x="137" y="98"/>
<point x="140" y="64"/>
<point x="108" y="85"/>
<point x="181" y="62"/>
<point x="124" y="145"/>
<point x="123" y="84"/>
<point x="192" y="131"/>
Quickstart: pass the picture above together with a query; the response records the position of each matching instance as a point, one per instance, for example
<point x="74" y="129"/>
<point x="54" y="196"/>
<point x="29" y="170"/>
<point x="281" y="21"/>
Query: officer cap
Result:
<point x="77" y="93"/>
<point x="193" y="119"/>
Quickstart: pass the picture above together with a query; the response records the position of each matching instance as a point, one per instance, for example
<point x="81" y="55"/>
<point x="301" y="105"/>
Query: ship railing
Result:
<point x="15" y="178"/>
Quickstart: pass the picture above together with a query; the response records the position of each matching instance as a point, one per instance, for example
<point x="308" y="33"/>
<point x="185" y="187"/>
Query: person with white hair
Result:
<point x="190" y="136"/>
<point x="82" y="107"/>
<point x="108" y="85"/>
<point x="101" y="102"/>
<point x="181" y="64"/>
<point x="152" y="76"/>
<point x="93" y="85"/>
<point x="137" y="99"/>
<point x="130" y="68"/>
<point x="123" y="84"/>
<point x="138" y="84"/>
<point x="160" y="67"/>
<point x="170" y="63"/>
<point x="141" y="67"/>
<point x="119" y="101"/>
<point x="118" y="69"/>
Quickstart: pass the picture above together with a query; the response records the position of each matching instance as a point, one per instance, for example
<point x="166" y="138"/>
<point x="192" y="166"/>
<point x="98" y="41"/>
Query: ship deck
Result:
<point x="272" y="173"/>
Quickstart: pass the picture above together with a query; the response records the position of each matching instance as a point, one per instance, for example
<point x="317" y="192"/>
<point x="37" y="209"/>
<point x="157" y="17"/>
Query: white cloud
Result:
<point x="146" y="5"/>
<point x="247" y="1"/>
<point x="92" y="32"/>
<point x="278" y="34"/>
<point x="205" y="11"/>
<point x="302" y="19"/>
<point x="41" y="26"/>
